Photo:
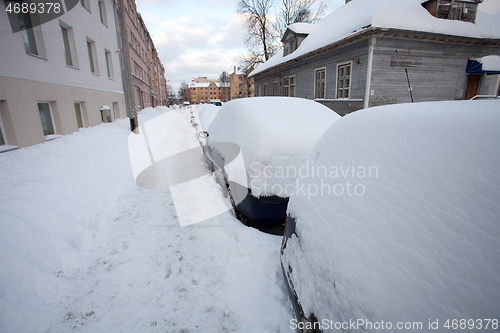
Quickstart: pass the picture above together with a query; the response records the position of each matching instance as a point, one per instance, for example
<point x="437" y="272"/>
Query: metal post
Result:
<point x="409" y="85"/>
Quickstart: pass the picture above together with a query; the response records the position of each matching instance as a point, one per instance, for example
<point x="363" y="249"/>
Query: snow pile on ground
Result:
<point x="84" y="249"/>
<point x="415" y="239"/>
<point x="358" y="15"/>
<point x="150" y="113"/>
<point x="53" y="199"/>
<point x="275" y="135"/>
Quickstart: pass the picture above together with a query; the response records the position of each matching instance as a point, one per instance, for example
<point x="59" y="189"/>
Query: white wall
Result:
<point x="26" y="79"/>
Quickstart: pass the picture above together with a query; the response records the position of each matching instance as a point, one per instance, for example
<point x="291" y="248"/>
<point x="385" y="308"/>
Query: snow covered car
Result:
<point x="255" y="147"/>
<point x="216" y="102"/>
<point x="399" y="229"/>
<point x="206" y="114"/>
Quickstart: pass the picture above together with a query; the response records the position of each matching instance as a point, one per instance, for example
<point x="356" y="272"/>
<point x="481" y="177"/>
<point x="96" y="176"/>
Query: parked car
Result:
<point x="216" y="102"/>
<point x="250" y="140"/>
<point x="400" y="225"/>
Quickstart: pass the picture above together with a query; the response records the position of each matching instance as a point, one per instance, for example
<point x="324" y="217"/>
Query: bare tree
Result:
<point x="171" y="97"/>
<point x="183" y="93"/>
<point x="224" y="81"/>
<point x="248" y="62"/>
<point x="293" y="11"/>
<point x="260" y="39"/>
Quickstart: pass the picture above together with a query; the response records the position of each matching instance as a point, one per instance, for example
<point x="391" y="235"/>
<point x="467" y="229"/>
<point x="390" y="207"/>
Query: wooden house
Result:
<point x="376" y="52"/>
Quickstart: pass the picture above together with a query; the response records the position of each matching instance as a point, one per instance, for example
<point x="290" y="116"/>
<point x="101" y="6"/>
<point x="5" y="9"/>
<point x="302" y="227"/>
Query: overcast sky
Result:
<point x="197" y="37"/>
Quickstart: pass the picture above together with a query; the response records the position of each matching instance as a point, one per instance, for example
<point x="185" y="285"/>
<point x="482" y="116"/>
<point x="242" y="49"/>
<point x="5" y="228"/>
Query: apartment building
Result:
<point x="59" y="76"/>
<point x="138" y="55"/>
<point x="202" y="90"/>
<point x="241" y="85"/>
<point x="157" y="75"/>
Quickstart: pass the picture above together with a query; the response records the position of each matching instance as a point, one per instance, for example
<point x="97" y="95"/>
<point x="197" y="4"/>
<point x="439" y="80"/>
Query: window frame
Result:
<point x="91" y="50"/>
<point x="292" y="87"/>
<point x="102" y="12"/>
<point x="316" y="83"/>
<point x="81" y="115"/>
<point x="51" y="118"/>
<point x="3" y="134"/>
<point x="339" y="65"/>
<point x="286" y="86"/>
<point x="86" y="4"/>
<point x="109" y="64"/>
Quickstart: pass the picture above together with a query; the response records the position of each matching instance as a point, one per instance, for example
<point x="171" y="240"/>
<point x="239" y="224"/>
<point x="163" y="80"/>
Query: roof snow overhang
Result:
<point x="368" y="31"/>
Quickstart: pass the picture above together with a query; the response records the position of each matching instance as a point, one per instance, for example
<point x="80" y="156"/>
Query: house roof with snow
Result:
<point x="203" y="84"/>
<point x="360" y="16"/>
<point x="301" y="27"/>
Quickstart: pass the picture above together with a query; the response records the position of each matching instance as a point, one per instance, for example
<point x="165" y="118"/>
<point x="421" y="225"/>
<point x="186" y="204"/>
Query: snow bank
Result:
<point x="273" y="133"/>
<point x="149" y="113"/>
<point x="416" y="238"/>
<point x="206" y="114"/>
<point x="358" y="15"/>
<point x="51" y="205"/>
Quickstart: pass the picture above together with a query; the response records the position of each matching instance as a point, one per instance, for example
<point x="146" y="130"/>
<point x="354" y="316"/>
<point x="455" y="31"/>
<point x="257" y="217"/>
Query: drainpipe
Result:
<point x="371" y="43"/>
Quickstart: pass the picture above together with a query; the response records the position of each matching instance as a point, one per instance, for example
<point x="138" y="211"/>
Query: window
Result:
<point x="102" y="13"/>
<point x="343" y="80"/>
<point x="3" y="139"/>
<point x="292" y="86"/>
<point x="67" y="50"/>
<point x="265" y="90"/>
<point x="289" y="47"/>
<point x="69" y="46"/>
<point x="109" y="64"/>
<point x="258" y="90"/>
<point x="79" y="115"/>
<point x="288" y="86"/>
<point x="85" y="4"/>
<point x="46" y="119"/>
<point x="27" y="33"/>
<point x="92" y="57"/>
<point x="320" y="83"/>
<point x="286" y="83"/>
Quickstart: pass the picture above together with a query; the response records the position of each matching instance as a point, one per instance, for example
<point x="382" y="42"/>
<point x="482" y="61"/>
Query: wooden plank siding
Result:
<point x="437" y="72"/>
<point x="436" y="67"/>
<point x="305" y="74"/>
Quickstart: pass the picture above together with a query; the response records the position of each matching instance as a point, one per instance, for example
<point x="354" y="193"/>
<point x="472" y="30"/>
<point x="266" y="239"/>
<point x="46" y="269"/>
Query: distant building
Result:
<point x="59" y="76"/>
<point x="374" y="52"/>
<point x="241" y="85"/>
<point x="156" y="75"/>
<point x="148" y="74"/>
<point x="202" y="90"/>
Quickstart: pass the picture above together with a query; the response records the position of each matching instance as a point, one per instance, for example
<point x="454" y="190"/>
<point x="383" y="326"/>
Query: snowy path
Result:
<point x="128" y="266"/>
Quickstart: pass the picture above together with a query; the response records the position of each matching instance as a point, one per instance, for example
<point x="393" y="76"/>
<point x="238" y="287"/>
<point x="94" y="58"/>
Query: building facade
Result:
<point x="370" y="65"/>
<point x="138" y="52"/>
<point x="59" y="76"/>
<point x="157" y="75"/>
<point x="241" y="85"/>
<point x="202" y="90"/>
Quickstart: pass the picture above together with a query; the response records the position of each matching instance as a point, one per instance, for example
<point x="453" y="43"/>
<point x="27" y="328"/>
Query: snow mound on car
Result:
<point x="206" y="114"/>
<point x="273" y="133"/>
<point x="419" y="240"/>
